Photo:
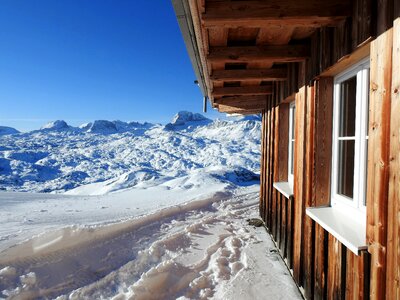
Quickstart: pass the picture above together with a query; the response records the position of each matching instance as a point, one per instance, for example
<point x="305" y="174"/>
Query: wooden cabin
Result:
<point x="325" y="75"/>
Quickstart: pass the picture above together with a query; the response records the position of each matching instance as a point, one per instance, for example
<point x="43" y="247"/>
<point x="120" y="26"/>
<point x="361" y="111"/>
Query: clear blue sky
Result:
<point x="82" y="60"/>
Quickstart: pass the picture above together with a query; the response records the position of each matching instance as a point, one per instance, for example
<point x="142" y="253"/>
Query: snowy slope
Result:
<point x="60" y="157"/>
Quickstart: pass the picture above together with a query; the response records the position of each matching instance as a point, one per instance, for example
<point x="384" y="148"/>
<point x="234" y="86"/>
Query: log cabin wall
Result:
<point x="276" y="58"/>
<point x="322" y="266"/>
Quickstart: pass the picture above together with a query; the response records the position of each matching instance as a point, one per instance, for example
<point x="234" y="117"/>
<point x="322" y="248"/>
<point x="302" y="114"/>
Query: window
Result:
<point x="292" y="111"/>
<point x="350" y="137"/>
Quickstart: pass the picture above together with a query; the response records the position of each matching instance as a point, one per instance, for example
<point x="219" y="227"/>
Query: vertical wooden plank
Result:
<point x="357" y="276"/>
<point x="351" y="275"/>
<point x="270" y="165"/>
<point x="320" y="263"/>
<point x="396" y="10"/>
<point x="264" y="170"/>
<point x="283" y="226"/>
<point x="272" y="170"/>
<point x="278" y="218"/>
<point x="393" y="254"/>
<point x="283" y="128"/>
<point x="378" y="160"/>
<point x="323" y="140"/>
<point x="384" y="15"/>
<point x="262" y="166"/>
<point x="321" y="180"/>
<point x="308" y="226"/>
<point x="336" y="269"/>
<point x="267" y="160"/>
<point x="298" y="189"/>
<point x="289" y="232"/>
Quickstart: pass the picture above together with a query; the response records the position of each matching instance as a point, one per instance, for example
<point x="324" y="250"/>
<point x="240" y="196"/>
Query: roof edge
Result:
<point x="184" y="18"/>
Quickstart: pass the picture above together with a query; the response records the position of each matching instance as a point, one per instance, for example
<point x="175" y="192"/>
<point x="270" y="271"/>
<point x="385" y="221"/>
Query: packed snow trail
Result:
<point x="198" y="250"/>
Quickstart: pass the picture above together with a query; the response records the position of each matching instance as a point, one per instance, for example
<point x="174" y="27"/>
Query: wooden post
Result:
<point x="299" y="151"/>
<point x="378" y="160"/>
<point x="321" y="179"/>
<point x="308" y="230"/>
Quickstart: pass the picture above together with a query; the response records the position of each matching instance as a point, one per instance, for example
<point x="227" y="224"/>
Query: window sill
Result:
<point x="346" y="230"/>
<point x="284" y="188"/>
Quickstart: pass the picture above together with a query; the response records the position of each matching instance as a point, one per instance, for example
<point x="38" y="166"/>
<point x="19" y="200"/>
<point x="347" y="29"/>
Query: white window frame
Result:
<point x="354" y="205"/>
<point x="291" y="137"/>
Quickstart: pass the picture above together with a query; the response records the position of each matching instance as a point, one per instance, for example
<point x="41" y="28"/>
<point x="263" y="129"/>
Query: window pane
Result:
<point x="293" y="121"/>
<point x="346" y="168"/>
<point x="292" y="158"/>
<point x="347" y="107"/>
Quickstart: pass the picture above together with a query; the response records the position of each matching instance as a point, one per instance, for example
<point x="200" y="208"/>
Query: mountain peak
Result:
<point x="103" y="126"/>
<point x="56" y="125"/>
<point x="186" y="116"/>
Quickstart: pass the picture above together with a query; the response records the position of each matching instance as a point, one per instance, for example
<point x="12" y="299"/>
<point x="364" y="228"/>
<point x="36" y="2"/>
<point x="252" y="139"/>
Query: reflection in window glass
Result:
<point x="346" y="168"/>
<point x="347" y="109"/>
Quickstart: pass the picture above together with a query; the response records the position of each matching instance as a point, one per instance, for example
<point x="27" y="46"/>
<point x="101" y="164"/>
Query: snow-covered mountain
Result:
<point x="118" y="155"/>
<point x="4" y="130"/>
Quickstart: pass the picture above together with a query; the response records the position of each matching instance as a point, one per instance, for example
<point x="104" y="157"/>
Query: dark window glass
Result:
<point x="347" y="107"/>
<point x="294" y="120"/>
<point x="292" y="158"/>
<point x="346" y="168"/>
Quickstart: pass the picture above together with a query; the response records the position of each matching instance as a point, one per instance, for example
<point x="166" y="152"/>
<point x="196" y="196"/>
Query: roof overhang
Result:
<point x="239" y="49"/>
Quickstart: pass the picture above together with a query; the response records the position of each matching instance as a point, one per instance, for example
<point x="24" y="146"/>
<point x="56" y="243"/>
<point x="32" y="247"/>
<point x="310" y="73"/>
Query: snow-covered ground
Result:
<point x="136" y="211"/>
<point x="200" y="249"/>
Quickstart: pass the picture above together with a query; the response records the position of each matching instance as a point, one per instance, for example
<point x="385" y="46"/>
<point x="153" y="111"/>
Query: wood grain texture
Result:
<point x="323" y="141"/>
<point x="320" y="262"/>
<point x="298" y="189"/>
<point x="357" y="275"/>
<point x="308" y="225"/>
<point x="336" y="269"/>
<point x="264" y="13"/>
<point x="282" y="161"/>
<point x="274" y="53"/>
<point x="246" y="90"/>
<point x="262" y="168"/>
<point x="276" y="74"/>
<point x="378" y="159"/>
<point x="393" y="253"/>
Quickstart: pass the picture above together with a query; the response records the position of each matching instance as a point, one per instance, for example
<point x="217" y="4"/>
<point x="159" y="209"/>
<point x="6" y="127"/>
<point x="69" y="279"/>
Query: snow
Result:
<point x="56" y="125"/>
<point x="61" y="160"/>
<point x="136" y="211"/>
<point x="197" y="249"/>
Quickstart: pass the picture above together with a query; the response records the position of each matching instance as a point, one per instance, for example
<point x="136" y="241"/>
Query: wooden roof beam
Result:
<point x="242" y="90"/>
<point x="242" y="100"/>
<point x="249" y="75"/>
<point x="305" y="13"/>
<point x="235" y="110"/>
<point x="281" y="53"/>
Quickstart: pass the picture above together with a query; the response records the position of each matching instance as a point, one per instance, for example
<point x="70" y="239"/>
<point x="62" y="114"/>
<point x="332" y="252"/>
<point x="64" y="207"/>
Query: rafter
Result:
<point x="307" y="13"/>
<point x="242" y="100"/>
<point x="235" y="110"/>
<point x="249" y="75"/>
<point x="281" y="53"/>
<point x="242" y="90"/>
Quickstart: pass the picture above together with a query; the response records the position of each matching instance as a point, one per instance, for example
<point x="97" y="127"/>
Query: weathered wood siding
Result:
<point x="321" y="265"/>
